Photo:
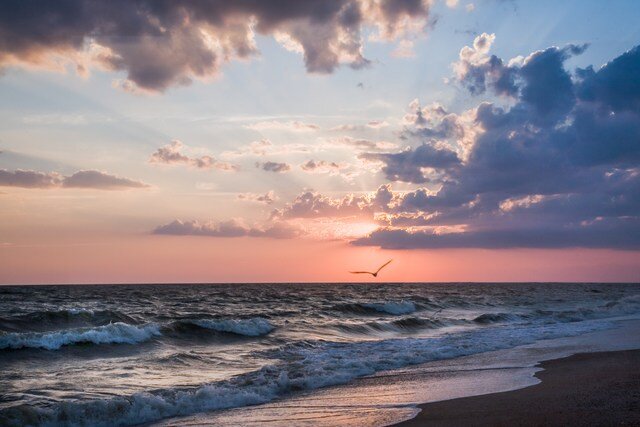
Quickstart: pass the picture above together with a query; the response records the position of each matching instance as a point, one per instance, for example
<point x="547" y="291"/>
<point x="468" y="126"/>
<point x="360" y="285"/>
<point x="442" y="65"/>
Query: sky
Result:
<point x="295" y="140"/>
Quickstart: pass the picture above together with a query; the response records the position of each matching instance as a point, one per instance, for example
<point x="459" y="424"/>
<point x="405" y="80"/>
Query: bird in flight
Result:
<point x="372" y="273"/>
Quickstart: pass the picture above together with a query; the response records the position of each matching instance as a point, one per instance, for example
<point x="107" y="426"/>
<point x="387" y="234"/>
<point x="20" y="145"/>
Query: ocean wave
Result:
<point x="182" y="358"/>
<point x="114" y="333"/>
<point x="403" y="325"/>
<point x="253" y="327"/>
<point x="487" y="318"/>
<point x="124" y="333"/>
<point x="395" y="308"/>
<point x="317" y="364"/>
<point x="47" y="319"/>
<point x="624" y="306"/>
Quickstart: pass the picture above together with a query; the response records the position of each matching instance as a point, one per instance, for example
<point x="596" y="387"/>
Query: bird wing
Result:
<point x="384" y="265"/>
<point x="360" y="272"/>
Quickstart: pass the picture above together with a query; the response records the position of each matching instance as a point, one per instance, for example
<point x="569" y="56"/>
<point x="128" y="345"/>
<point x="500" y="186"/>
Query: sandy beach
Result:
<point x="591" y="389"/>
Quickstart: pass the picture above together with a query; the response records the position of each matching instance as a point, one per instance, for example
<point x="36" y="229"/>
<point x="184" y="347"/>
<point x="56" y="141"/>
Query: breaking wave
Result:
<point x="403" y="325"/>
<point x="115" y="333"/>
<point x="318" y="364"/>
<point x="124" y="333"/>
<point x="253" y="327"/>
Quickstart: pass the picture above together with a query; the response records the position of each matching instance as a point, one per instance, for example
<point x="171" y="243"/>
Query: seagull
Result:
<point x="371" y="273"/>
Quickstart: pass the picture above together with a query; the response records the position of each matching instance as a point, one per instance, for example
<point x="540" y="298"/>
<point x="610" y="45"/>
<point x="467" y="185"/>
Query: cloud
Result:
<point x="177" y="227"/>
<point x="556" y="165"/>
<point x="435" y="125"/>
<point x="361" y="143"/>
<point x="255" y="148"/>
<point x="409" y="165"/>
<point x="540" y="79"/>
<point x="476" y="69"/>
<point x="612" y="85"/>
<point x="82" y="179"/>
<point x="553" y="161"/>
<point x="279" y="230"/>
<point x="344" y="170"/>
<point x="274" y="167"/>
<point x="230" y="228"/>
<point x="29" y="179"/>
<point x="311" y="204"/>
<point x="170" y="155"/>
<point x="616" y="234"/>
<point x="347" y="128"/>
<point x="293" y="126"/>
<point x="377" y="124"/>
<point x="266" y="198"/>
<point x="100" y="180"/>
<point x="160" y="46"/>
<point x="372" y="124"/>
<point x="405" y="49"/>
<point x="322" y="166"/>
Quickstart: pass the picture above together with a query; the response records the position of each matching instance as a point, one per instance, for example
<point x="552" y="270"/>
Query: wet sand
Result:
<point x="591" y="389"/>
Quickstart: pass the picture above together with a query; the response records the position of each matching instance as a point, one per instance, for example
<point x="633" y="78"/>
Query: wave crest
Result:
<point x="114" y="333"/>
<point x="253" y="327"/>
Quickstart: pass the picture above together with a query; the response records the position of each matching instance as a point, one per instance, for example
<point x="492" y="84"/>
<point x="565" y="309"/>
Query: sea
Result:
<point x="284" y="354"/>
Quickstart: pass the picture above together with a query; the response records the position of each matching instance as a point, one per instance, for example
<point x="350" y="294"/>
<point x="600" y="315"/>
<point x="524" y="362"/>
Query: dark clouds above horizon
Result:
<point x="556" y="165"/>
<point x="552" y="162"/>
<point x="163" y="43"/>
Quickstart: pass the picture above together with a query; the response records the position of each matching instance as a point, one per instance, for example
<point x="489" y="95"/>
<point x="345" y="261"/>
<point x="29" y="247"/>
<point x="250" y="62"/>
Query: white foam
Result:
<point x="114" y="333"/>
<point x="298" y="367"/>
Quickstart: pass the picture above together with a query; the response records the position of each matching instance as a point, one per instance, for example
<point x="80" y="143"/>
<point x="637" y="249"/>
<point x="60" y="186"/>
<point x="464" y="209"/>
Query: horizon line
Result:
<point x="497" y="282"/>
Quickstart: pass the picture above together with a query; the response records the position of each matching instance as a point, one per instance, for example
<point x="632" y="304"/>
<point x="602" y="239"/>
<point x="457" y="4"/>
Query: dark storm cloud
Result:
<point x="163" y="43"/>
<point x="619" y="234"/>
<point x="81" y="179"/>
<point x="560" y="167"/>
<point x="615" y="85"/>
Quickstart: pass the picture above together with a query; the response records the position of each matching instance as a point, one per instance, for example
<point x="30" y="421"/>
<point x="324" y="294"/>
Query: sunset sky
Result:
<point x="268" y="141"/>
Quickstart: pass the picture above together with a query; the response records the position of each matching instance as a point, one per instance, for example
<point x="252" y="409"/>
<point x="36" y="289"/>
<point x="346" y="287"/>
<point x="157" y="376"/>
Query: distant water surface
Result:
<point x="124" y="355"/>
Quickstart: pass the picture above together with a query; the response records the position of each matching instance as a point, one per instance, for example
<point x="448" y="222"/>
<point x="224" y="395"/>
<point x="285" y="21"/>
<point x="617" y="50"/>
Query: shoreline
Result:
<point x="396" y="396"/>
<point x="601" y="388"/>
